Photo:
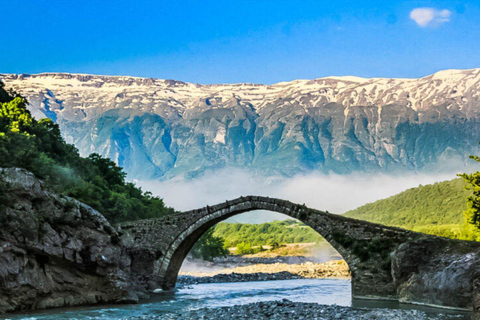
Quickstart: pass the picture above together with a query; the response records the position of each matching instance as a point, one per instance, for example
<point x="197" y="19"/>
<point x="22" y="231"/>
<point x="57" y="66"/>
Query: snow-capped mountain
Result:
<point x="162" y="128"/>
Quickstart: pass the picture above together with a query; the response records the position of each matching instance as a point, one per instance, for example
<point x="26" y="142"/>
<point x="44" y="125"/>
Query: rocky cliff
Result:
<point x="439" y="272"/>
<point x="163" y="128"/>
<point x="56" y="251"/>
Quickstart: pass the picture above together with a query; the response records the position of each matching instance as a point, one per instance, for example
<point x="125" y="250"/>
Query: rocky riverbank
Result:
<point x="264" y="272"/>
<point x="285" y="309"/>
<point x="56" y="251"/>
<point x="237" y="277"/>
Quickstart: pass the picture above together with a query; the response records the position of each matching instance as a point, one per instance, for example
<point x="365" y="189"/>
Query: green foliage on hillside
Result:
<point x="472" y="212"/>
<point x="38" y="147"/>
<point x="247" y="248"/>
<point x="209" y="247"/>
<point x="276" y="232"/>
<point x="435" y="209"/>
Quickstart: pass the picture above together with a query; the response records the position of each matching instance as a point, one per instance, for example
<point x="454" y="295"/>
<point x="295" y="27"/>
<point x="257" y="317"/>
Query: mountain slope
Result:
<point x="164" y="128"/>
<point x="436" y="208"/>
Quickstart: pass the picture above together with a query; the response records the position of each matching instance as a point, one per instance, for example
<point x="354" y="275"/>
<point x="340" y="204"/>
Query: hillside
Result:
<point x="436" y="209"/>
<point x="286" y="231"/>
<point x="164" y="128"/>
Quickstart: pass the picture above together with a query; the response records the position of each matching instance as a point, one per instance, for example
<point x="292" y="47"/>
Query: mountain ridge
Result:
<point x="343" y="86"/>
<point x="335" y="77"/>
<point x="164" y="128"/>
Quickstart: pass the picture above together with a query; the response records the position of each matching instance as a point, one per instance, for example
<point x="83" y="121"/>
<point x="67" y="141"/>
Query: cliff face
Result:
<point x="56" y="251"/>
<point x="163" y="128"/>
<point x="438" y="271"/>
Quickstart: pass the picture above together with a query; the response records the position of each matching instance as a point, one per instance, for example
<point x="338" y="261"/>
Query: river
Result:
<point x="323" y="291"/>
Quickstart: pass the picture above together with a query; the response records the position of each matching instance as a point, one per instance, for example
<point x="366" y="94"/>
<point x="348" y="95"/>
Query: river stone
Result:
<point x="283" y="310"/>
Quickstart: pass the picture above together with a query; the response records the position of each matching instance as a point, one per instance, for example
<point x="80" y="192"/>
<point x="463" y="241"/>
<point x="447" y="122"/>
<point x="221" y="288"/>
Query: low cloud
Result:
<point x="430" y="17"/>
<point x="335" y="193"/>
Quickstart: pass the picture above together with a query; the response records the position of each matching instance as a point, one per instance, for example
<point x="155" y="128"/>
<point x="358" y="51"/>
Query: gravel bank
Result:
<point x="280" y="310"/>
<point x="237" y="277"/>
<point x="263" y="272"/>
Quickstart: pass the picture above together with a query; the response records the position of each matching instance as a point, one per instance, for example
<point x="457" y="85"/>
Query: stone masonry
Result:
<point x="380" y="264"/>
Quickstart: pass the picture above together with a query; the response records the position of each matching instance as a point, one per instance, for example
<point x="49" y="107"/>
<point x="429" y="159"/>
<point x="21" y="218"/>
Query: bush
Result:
<point x="247" y="248"/>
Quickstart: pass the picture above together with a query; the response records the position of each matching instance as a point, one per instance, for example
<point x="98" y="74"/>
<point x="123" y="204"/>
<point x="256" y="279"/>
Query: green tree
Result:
<point x="112" y="174"/>
<point x="209" y="247"/>
<point x="472" y="214"/>
<point x="244" y="248"/>
<point x="15" y="116"/>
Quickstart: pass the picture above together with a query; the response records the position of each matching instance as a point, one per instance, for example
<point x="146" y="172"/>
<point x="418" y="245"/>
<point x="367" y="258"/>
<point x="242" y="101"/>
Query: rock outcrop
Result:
<point x="162" y="128"/>
<point x="56" y="251"/>
<point x="437" y="271"/>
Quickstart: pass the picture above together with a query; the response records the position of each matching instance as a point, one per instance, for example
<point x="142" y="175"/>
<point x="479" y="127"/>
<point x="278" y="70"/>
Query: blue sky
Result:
<point x="219" y="41"/>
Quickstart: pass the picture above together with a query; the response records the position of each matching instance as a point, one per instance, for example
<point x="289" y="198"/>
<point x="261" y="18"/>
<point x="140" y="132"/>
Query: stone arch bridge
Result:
<point x="158" y="247"/>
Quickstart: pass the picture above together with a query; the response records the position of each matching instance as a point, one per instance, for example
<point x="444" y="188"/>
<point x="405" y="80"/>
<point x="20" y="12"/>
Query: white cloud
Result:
<point x="430" y="17"/>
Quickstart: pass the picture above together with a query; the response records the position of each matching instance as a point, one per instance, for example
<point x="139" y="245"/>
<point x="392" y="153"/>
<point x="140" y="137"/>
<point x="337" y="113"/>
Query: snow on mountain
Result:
<point x="161" y="128"/>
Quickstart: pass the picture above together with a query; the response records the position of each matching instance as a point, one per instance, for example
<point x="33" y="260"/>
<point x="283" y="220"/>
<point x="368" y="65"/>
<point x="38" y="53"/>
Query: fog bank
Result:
<point x="334" y="193"/>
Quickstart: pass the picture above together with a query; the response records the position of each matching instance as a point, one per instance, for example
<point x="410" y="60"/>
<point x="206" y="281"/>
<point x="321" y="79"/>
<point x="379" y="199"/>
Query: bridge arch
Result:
<point x="172" y="261"/>
<point x="160" y="246"/>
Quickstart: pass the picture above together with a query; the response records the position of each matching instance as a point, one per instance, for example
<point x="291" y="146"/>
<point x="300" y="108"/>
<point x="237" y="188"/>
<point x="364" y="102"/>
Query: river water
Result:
<point x="323" y="291"/>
